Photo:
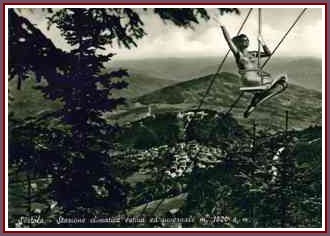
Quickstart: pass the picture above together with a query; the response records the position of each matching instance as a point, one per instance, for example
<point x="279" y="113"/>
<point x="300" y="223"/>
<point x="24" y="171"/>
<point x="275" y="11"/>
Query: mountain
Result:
<point x="140" y="84"/>
<point x="305" y="71"/>
<point x="304" y="105"/>
<point x="149" y="75"/>
<point x="29" y="101"/>
<point x="177" y="69"/>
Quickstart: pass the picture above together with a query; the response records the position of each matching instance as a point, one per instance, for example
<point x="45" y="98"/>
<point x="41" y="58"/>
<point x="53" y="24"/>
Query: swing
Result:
<point x="264" y="91"/>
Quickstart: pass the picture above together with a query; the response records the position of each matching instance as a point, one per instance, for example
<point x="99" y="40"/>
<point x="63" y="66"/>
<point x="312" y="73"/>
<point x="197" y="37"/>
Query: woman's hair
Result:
<point x="239" y="38"/>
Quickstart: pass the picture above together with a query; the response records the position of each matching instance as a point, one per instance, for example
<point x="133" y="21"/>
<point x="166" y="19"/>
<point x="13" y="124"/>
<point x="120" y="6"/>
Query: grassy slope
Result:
<point x="304" y="105"/>
<point x="139" y="84"/>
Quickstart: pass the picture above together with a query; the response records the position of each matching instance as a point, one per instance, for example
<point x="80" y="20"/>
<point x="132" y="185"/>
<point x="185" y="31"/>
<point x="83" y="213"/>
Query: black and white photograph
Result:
<point x="193" y="117"/>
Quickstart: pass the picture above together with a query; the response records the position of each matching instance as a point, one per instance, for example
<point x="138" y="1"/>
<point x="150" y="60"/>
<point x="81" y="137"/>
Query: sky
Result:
<point x="166" y="40"/>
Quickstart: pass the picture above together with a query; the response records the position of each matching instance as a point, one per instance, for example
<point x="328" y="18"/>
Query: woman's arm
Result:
<point x="231" y="45"/>
<point x="266" y="52"/>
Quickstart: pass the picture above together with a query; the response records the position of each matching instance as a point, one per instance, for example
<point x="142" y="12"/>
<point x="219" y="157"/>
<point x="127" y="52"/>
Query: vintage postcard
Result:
<point x="165" y="117"/>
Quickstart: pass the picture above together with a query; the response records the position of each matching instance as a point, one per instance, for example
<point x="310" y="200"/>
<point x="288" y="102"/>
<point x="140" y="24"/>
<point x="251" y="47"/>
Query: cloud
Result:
<point x="305" y="39"/>
<point x="167" y="40"/>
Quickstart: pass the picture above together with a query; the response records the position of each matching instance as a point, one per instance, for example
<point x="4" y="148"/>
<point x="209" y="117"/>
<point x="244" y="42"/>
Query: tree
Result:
<point x="75" y="147"/>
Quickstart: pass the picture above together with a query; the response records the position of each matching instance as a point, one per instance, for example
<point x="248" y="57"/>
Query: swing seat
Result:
<point x="259" y="88"/>
<point x="255" y="88"/>
<point x="265" y="86"/>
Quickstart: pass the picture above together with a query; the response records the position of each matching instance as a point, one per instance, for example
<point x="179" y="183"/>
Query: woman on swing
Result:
<point x="254" y="80"/>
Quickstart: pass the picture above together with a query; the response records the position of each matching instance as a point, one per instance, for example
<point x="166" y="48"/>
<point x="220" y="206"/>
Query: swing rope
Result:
<point x="284" y="36"/>
<point x="259" y="43"/>
<point x="234" y="103"/>
<point x="222" y="63"/>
